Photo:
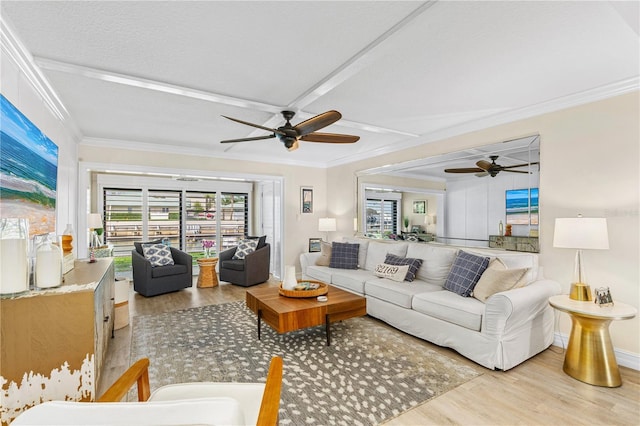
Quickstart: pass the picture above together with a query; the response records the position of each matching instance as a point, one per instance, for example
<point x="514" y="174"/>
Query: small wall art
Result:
<point x="306" y="199"/>
<point x="315" y="245"/>
<point x="420" y="207"/>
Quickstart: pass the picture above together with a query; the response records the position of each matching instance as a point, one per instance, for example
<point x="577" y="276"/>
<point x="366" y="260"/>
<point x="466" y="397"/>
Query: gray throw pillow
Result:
<point x="245" y="247"/>
<point x="344" y="255"/>
<point x="157" y="254"/>
<point x="465" y="272"/>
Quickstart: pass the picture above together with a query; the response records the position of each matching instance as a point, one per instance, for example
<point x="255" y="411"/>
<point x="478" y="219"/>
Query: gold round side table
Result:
<point x="207" y="276"/>
<point x="590" y="357"/>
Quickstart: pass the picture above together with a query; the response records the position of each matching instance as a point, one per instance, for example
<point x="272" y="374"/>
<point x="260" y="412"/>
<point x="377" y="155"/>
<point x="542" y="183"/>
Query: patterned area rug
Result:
<point x="370" y="373"/>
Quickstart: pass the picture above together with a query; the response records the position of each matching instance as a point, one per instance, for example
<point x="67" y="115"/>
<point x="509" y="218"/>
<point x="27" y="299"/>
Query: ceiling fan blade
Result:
<point x="483" y="174"/>
<point x="519" y="165"/>
<point x="255" y="125"/>
<point x="484" y="164"/>
<point x="465" y="170"/>
<point x="330" y="138"/>
<point x="257" y="138"/>
<point x="317" y="122"/>
<point x="516" y="171"/>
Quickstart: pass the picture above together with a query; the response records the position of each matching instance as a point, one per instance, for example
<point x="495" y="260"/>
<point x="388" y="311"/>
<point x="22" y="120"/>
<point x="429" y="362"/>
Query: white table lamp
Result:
<point x="327" y="224"/>
<point x="581" y="233"/>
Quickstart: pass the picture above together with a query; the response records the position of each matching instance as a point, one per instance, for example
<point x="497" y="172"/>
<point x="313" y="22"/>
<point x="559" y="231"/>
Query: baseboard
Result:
<point x="624" y="358"/>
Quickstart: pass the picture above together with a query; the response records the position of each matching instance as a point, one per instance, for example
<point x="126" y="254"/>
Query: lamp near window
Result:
<point x="581" y="233"/>
<point x="94" y="222"/>
<point x="327" y="224"/>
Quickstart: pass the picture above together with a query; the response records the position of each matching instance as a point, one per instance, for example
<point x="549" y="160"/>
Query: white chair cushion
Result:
<point x="201" y="411"/>
<point x="248" y="395"/>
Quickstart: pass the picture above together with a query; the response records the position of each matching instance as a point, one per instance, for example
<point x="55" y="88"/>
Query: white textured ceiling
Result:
<point x="159" y="75"/>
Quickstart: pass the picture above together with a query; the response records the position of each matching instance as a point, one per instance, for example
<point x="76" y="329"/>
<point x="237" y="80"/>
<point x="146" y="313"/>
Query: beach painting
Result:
<point x="28" y="171"/>
<point x="522" y="206"/>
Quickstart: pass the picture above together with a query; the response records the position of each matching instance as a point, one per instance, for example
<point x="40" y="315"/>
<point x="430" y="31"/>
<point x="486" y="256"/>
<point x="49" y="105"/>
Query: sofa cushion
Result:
<point x="344" y="255"/>
<point x="320" y="273"/>
<point x="465" y="272"/>
<point x="436" y="261"/>
<point x="350" y="279"/>
<point x="325" y="254"/>
<point x="234" y="265"/>
<point x="496" y="278"/>
<point x="362" y="252"/>
<point x="245" y="247"/>
<point x="514" y="261"/>
<point x="397" y="293"/>
<point x="463" y="311"/>
<point x="165" y="271"/>
<point x="413" y="264"/>
<point x="377" y="252"/>
<point x="157" y="254"/>
<point x="393" y="272"/>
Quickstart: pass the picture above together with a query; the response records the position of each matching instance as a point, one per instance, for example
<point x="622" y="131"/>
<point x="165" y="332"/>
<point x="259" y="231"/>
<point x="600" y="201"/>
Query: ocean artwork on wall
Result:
<point x="522" y="206"/>
<point x="28" y="171"/>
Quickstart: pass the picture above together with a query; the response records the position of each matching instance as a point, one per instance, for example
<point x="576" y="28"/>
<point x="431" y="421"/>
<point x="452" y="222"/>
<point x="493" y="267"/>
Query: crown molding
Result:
<point x="13" y="48"/>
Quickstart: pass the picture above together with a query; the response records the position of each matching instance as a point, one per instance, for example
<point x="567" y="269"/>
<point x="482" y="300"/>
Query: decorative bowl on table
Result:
<point x="305" y="288"/>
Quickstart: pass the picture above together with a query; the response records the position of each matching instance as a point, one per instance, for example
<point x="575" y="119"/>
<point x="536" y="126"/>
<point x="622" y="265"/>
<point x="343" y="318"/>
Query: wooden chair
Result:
<point x="257" y="403"/>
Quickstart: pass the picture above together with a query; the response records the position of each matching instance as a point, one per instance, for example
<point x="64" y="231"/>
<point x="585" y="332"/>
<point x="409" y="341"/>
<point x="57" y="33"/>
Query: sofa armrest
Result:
<point x="308" y="259"/>
<point x="515" y="308"/>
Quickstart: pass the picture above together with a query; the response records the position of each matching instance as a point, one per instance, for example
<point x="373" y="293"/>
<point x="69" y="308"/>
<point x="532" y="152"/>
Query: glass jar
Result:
<point x="14" y="263"/>
<point x="48" y="271"/>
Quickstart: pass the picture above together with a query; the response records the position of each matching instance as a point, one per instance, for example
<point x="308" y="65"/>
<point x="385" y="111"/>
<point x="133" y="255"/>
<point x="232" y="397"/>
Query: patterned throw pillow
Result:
<point x="344" y="256"/>
<point x="465" y="272"/>
<point x="393" y="272"/>
<point x="157" y="254"/>
<point x="244" y="248"/>
<point x="412" y="237"/>
<point x="414" y="264"/>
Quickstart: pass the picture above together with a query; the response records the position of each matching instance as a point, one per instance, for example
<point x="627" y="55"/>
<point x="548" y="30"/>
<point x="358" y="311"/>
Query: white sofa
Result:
<point x="509" y="328"/>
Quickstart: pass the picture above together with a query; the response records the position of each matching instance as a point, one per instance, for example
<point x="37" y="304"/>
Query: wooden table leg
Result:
<point x="259" y="320"/>
<point x="328" y="329"/>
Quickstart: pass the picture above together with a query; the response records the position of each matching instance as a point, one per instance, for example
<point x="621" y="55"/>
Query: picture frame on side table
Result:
<point x="306" y="199"/>
<point x="420" y="207"/>
<point x="314" y="245"/>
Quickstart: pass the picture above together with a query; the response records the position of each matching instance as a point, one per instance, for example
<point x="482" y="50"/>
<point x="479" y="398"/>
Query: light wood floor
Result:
<point x="536" y="392"/>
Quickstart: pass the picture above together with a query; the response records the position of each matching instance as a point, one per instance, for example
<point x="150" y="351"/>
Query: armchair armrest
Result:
<point x="137" y="373"/>
<point x="227" y="254"/>
<point x="181" y="258"/>
<point x="511" y="309"/>
<point x="141" y="266"/>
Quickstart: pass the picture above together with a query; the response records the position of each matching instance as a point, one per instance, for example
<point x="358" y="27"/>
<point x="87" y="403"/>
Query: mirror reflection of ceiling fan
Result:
<point x="289" y="135"/>
<point x="486" y="168"/>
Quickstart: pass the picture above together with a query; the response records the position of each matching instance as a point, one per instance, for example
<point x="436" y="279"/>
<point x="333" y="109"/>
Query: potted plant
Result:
<point x="406" y="223"/>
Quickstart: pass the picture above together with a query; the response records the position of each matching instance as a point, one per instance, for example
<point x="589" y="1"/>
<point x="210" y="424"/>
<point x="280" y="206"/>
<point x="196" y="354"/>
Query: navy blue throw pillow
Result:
<point x="465" y="272"/>
<point x="414" y="264"/>
<point x="344" y="256"/>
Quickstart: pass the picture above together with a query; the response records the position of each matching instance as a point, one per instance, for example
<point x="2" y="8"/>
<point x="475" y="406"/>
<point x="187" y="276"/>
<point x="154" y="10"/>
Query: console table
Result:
<point x="516" y="243"/>
<point x="590" y="357"/>
<point x="53" y="342"/>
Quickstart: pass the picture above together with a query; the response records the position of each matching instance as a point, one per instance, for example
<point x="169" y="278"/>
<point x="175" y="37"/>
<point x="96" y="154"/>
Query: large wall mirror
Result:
<point x="486" y="196"/>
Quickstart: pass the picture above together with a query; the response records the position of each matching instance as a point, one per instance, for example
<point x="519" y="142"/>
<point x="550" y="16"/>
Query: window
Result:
<point x="143" y="215"/>
<point x="123" y="219"/>
<point x="382" y="216"/>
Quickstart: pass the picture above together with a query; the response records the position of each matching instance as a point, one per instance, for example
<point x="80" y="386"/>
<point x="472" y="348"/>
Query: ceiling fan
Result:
<point x="486" y="168"/>
<point x="289" y="135"/>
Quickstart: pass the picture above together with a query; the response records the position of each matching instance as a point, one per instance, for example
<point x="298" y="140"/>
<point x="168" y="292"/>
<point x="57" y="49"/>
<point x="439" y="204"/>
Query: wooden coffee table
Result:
<point x="286" y="314"/>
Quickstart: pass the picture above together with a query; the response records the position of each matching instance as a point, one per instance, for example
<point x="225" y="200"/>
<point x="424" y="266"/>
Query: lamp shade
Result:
<point x="94" y="221"/>
<point x="327" y="224"/>
<point x="581" y="233"/>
